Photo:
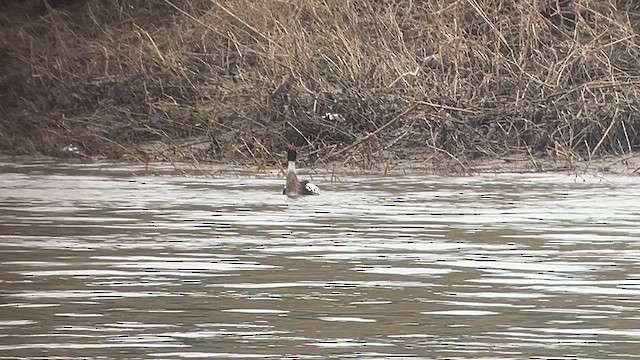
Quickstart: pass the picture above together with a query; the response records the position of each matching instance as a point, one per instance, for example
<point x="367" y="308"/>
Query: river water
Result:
<point x="105" y="262"/>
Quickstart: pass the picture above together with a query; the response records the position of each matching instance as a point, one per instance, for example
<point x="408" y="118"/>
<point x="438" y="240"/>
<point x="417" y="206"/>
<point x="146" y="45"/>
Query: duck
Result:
<point x="293" y="187"/>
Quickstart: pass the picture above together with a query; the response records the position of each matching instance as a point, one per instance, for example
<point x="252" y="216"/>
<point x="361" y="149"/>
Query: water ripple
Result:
<point x="96" y="262"/>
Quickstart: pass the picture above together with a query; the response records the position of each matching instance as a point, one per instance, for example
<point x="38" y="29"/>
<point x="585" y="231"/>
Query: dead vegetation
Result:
<point x="236" y="80"/>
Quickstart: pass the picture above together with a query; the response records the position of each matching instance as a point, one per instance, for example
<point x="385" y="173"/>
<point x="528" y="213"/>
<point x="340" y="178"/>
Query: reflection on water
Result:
<point x="97" y="263"/>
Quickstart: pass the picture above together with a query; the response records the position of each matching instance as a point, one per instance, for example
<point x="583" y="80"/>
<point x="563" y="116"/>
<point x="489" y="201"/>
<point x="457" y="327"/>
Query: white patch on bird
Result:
<point x="335" y="117"/>
<point x="312" y="188"/>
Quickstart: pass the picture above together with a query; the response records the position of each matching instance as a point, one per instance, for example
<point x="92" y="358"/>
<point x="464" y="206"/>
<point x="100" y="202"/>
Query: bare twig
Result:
<point x="466" y="169"/>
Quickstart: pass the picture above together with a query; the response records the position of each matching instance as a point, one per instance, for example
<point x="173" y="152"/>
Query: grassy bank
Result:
<point x="233" y="80"/>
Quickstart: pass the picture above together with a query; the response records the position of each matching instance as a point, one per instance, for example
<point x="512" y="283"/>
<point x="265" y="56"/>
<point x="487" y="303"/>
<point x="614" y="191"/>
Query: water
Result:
<point x="104" y="262"/>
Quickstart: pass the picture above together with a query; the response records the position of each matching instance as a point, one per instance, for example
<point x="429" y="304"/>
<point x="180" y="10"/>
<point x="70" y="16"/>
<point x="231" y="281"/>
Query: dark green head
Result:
<point x="291" y="152"/>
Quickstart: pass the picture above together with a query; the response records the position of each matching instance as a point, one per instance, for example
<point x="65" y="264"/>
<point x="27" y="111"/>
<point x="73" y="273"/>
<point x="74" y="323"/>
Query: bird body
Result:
<point x="293" y="186"/>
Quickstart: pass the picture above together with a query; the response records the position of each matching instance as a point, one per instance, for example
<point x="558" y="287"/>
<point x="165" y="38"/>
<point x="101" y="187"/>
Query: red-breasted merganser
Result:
<point x="294" y="187"/>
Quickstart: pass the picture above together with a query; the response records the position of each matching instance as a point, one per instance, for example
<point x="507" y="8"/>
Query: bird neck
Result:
<point x="291" y="167"/>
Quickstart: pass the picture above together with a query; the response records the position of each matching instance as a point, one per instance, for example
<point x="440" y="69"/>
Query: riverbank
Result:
<point x="466" y="84"/>
<point x="336" y="171"/>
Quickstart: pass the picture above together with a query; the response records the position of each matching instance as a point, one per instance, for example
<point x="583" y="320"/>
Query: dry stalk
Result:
<point x="466" y="169"/>
<point x="381" y="128"/>
<point x="488" y="78"/>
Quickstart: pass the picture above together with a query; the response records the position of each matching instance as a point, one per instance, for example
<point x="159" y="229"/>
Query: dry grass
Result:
<point x="238" y="79"/>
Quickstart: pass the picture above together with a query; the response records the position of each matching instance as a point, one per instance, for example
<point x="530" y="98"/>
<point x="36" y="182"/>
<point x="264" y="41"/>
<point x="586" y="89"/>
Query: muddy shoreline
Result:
<point x="628" y="165"/>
